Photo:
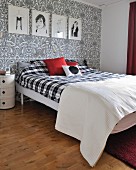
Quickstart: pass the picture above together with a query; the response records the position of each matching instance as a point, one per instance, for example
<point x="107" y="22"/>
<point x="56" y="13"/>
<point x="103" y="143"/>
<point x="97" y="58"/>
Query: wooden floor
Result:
<point x="28" y="141"/>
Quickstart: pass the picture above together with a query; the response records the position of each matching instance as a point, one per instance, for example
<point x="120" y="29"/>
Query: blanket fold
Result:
<point x="89" y="112"/>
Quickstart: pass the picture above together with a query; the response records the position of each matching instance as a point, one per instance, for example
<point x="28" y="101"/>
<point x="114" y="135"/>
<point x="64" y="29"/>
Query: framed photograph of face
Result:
<point x="75" y="29"/>
<point x="40" y="23"/>
<point x="59" y="26"/>
<point x="18" y="20"/>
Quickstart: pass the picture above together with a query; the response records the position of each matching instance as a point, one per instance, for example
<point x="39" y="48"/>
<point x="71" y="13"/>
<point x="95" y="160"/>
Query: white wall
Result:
<point x="114" y="37"/>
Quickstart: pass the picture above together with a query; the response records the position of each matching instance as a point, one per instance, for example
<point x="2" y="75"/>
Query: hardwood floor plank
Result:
<point x="29" y="141"/>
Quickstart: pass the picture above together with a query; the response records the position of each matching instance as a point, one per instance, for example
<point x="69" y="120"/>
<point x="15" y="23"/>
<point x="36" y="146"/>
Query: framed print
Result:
<point x="40" y="23"/>
<point x="18" y="20"/>
<point x="59" y="26"/>
<point x="75" y="29"/>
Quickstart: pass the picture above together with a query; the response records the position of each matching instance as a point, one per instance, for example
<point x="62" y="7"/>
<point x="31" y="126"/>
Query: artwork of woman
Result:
<point x="59" y="26"/>
<point x="40" y="25"/>
<point x="74" y="29"/>
<point x="18" y="19"/>
<point x="18" y="22"/>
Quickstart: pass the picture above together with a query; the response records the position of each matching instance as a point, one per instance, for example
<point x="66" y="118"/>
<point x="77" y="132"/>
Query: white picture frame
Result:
<point x="18" y="20"/>
<point x="40" y="23"/>
<point x="59" y="26"/>
<point x="75" y="28"/>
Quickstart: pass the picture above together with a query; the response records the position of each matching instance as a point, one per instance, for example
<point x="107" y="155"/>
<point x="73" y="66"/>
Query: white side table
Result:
<point x="7" y="91"/>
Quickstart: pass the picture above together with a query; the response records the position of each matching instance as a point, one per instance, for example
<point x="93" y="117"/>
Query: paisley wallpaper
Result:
<point x="17" y="47"/>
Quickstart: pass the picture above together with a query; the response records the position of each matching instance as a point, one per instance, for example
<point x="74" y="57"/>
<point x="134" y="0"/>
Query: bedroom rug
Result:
<point x="123" y="146"/>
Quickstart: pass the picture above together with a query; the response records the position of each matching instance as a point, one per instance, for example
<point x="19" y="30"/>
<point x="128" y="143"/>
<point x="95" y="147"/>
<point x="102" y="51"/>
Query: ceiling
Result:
<point x="101" y="2"/>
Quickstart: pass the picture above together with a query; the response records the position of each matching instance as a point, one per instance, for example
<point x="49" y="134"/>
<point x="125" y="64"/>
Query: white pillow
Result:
<point x="71" y="70"/>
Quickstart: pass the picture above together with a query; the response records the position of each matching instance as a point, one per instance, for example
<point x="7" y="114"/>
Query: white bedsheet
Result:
<point x="89" y="111"/>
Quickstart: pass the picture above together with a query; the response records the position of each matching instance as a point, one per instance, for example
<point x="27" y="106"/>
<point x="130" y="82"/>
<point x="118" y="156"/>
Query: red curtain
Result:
<point x="131" y="53"/>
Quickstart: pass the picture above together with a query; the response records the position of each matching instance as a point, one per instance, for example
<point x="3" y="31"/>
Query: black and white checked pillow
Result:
<point x="41" y="66"/>
<point x="84" y="69"/>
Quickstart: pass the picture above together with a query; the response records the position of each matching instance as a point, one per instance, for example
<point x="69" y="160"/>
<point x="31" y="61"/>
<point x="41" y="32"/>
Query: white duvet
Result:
<point x="89" y="111"/>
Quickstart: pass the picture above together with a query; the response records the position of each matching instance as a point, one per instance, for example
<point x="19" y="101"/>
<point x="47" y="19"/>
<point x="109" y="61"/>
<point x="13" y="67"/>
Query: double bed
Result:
<point x="33" y="81"/>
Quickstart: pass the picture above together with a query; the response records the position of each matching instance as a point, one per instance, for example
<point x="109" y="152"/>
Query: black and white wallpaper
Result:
<point x="17" y="47"/>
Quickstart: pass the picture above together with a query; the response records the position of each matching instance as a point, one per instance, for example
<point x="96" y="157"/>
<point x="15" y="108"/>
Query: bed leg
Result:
<point x="22" y="99"/>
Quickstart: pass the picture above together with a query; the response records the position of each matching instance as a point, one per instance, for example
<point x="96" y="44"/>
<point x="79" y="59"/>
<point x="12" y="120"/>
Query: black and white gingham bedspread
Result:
<point x="52" y="86"/>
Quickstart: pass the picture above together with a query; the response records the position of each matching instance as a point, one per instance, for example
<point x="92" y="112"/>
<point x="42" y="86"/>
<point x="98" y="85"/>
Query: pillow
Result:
<point x="55" y="66"/>
<point x="40" y="65"/>
<point x="22" y="65"/>
<point x="72" y="63"/>
<point x="70" y="60"/>
<point x="85" y="70"/>
<point x="71" y="70"/>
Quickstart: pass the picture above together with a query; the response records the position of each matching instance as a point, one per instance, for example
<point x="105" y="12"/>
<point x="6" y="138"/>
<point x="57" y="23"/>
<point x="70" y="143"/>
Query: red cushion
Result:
<point x="55" y="66"/>
<point x="72" y="63"/>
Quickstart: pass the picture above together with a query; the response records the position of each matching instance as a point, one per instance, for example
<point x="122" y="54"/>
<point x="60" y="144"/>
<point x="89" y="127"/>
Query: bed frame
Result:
<point x="36" y="96"/>
<point x="125" y="123"/>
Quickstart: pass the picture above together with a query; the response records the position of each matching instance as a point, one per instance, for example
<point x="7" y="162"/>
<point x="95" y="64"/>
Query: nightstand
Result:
<point x="7" y="91"/>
